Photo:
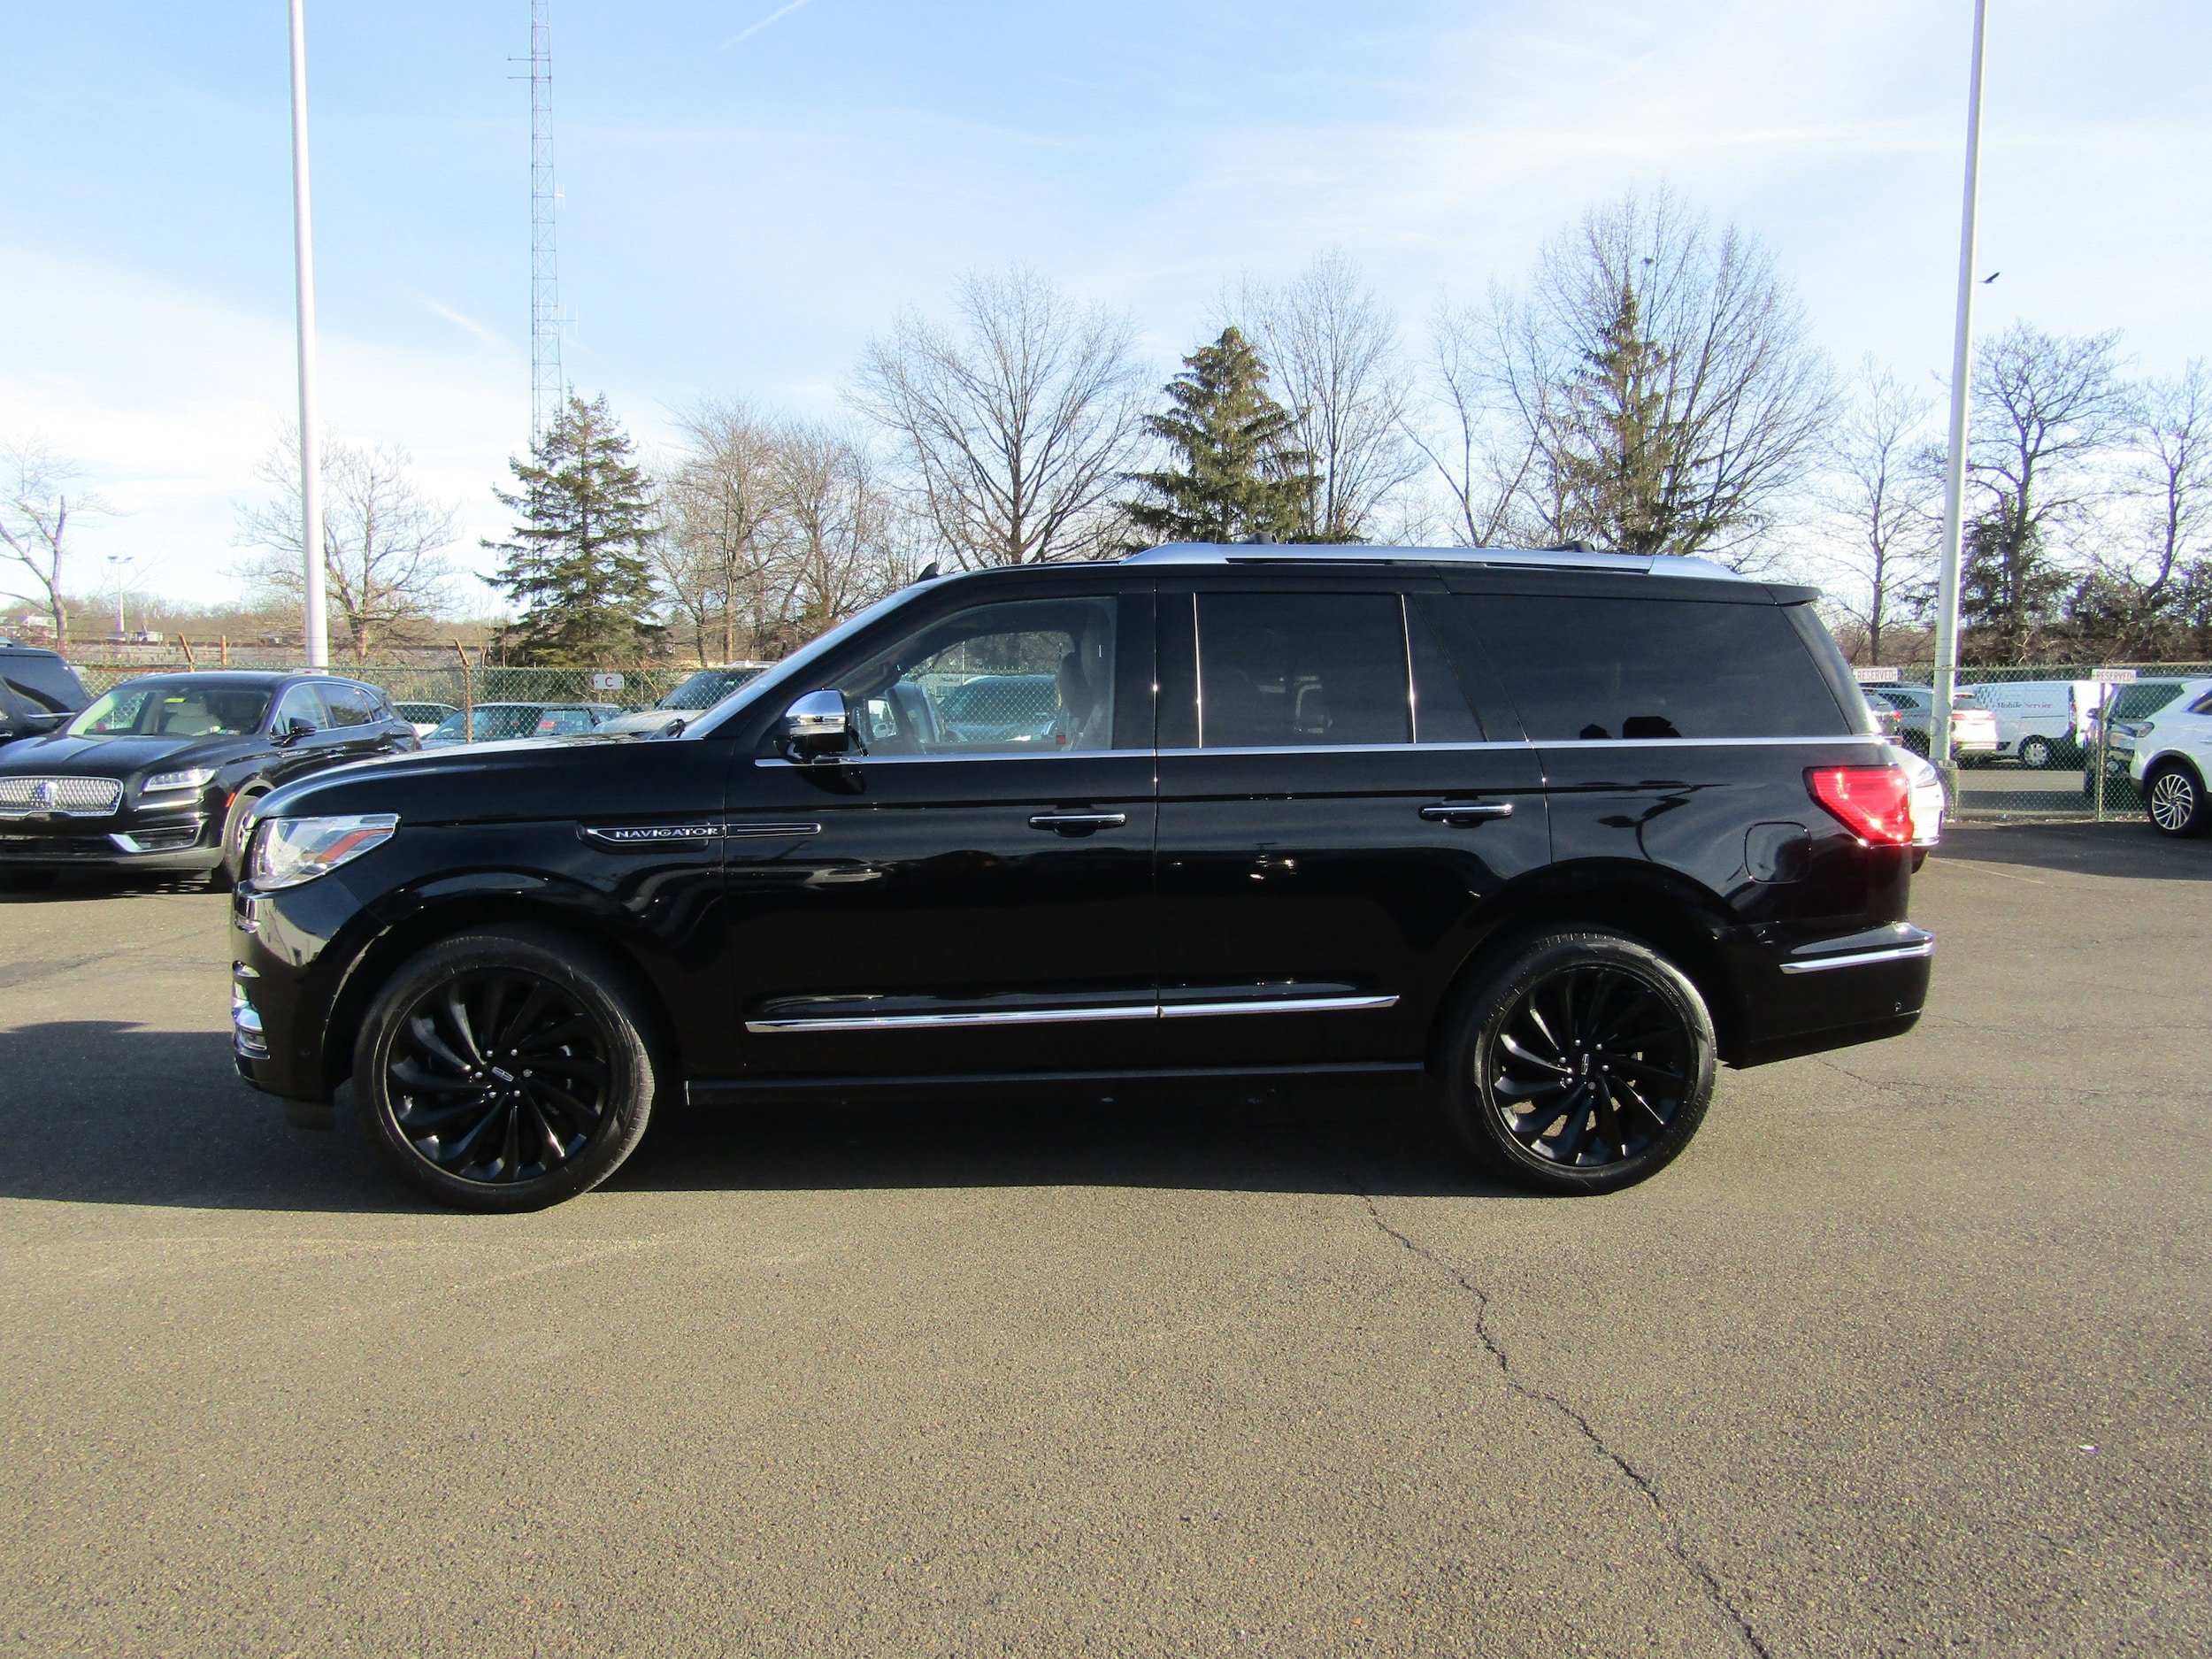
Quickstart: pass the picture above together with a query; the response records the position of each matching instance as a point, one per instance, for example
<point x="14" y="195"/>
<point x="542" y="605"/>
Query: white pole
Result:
<point x="1947" y="664"/>
<point x="310" y="428"/>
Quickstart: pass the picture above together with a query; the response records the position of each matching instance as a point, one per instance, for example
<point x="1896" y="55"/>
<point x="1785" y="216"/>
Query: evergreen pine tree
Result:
<point x="1623" y="463"/>
<point x="1236" y="473"/>
<point x="577" y="564"/>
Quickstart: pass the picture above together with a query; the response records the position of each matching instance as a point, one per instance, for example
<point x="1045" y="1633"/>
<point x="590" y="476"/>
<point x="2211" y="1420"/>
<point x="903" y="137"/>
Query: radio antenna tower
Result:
<point x="549" y="387"/>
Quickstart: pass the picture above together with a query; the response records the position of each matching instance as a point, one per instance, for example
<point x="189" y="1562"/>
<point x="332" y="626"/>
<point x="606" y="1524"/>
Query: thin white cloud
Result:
<point x="438" y="309"/>
<point x="777" y="16"/>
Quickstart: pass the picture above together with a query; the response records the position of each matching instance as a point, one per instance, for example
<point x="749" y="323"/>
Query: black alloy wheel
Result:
<point x="2175" y="797"/>
<point x="1584" y="1065"/>
<point x="506" y="1070"/>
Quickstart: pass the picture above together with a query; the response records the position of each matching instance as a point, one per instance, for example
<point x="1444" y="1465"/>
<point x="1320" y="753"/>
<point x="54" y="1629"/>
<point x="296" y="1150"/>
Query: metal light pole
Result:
<point x="310" y="429"/>
<point x="118" y="560"/>
<point x="1946" y="662"/>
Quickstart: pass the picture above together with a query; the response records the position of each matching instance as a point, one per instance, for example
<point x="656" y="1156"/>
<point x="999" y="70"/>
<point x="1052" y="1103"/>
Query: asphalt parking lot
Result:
<point x="1908" y="1355"/>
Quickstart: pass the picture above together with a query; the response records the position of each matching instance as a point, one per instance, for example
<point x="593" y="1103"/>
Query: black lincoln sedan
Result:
<point x="1551" y="835"/>
<point x="162" y="773"/>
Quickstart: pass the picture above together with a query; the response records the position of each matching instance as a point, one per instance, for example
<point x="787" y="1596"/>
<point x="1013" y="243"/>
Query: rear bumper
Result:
<point x="1835" y="994"/>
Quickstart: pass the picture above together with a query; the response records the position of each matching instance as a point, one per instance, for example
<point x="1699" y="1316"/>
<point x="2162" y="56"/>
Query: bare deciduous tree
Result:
<point x="715" y="552"/>
<point x="1014" y="424"/>
<point x="383" y="540"/>
<point x="1330" y="346"/>
<point x="36" y="508"/>
<point x="2050" y="412"/>
<point x="2172" y="474"/>
<point x="1884" y="501"/>
<point x="835" y="520"/>
<point x="1664" y="379"/>
<point x="1491" y="446"/>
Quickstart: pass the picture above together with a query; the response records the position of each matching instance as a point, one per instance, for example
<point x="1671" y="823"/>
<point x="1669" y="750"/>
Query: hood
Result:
<point x="530" y="779"/>
<point x="120" y="757"/>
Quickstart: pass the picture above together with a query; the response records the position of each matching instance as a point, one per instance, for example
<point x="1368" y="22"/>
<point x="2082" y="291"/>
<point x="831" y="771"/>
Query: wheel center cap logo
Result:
<point x="505" y="1077"/>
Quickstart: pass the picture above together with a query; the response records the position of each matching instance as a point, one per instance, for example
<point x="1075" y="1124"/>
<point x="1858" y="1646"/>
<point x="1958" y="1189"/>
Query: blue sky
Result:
<point x="742" y="209"/>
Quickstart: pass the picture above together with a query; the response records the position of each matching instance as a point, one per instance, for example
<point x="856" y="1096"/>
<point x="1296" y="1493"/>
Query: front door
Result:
<point x="970" y="892"/>
<point x="1331" y="814"/>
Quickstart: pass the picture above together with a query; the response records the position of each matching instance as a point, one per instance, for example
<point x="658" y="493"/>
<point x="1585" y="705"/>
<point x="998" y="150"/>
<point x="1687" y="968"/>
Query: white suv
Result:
<point x="2173" y="759"/>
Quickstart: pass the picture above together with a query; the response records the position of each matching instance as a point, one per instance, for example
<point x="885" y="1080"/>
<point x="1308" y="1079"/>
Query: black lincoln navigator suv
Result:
<point x="1558" y="832"/>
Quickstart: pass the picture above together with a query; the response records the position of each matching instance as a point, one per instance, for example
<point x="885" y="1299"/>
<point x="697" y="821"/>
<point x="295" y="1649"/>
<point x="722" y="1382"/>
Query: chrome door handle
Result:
<point x="1077" y="823"/>
<point x="1461" y="813"/>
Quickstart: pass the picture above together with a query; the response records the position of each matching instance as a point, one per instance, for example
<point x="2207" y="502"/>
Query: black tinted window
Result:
<point x="350" y="705"/>
<point x="1592" y="669"/>
<point x="1280" y="668"/>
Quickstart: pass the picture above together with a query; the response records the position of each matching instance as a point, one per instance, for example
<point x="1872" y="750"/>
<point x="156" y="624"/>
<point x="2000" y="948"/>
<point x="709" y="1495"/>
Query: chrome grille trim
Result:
<point x="69" y="797"/>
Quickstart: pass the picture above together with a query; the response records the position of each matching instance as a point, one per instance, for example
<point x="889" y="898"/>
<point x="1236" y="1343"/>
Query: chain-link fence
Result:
<point x="449" y="683"/>
<point x="2052" y="732"/>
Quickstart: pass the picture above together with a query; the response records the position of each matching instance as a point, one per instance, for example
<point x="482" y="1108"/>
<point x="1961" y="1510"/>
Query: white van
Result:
<point x="2041" y="722"/>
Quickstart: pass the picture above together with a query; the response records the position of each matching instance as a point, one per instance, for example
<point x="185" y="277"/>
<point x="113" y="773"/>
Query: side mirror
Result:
<point x="296" y="729"/>
<point x="818" y="728"/>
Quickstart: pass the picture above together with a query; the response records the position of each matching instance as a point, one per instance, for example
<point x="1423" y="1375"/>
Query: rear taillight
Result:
<point x="1874" y="803"/>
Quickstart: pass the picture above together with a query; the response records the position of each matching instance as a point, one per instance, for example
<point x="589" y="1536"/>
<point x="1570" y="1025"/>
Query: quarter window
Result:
<point x="1026" y="677"/>
<point x="1290" y="669"/>
<point x="1592" y="668"/>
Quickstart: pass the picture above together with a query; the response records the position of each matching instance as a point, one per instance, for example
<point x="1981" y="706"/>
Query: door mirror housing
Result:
<point x="818" y="727"/>
<point x="296" y="729"/>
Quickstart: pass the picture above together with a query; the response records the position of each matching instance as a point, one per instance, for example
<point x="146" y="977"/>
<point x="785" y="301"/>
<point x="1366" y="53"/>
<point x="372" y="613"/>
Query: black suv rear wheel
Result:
<point x="1584" y="1063"/>
<point x="506" y="1070"/>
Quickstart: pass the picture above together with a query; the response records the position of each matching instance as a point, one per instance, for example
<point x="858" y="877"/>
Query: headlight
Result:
<point x="192" y="778"/>
<point x="2132" y="728"/>
<point x="289" y="850"/>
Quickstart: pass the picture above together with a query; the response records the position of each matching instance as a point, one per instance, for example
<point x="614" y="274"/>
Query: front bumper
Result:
<point x="169" y="846"/>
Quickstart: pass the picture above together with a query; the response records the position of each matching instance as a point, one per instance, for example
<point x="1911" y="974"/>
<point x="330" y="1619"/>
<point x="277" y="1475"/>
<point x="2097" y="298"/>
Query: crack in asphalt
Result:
<point x="1676" y="1545"/>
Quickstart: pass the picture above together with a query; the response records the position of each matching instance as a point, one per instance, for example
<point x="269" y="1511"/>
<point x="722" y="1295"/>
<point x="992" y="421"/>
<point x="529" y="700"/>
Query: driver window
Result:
<point x="300" y="704"/>
<point x="1026" y="677"/>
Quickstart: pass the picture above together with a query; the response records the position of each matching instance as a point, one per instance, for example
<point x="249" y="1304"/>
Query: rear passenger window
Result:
<point x="349" y="705"/>
<point x="1594" y="669"/>
<point x="1287" y="670"/>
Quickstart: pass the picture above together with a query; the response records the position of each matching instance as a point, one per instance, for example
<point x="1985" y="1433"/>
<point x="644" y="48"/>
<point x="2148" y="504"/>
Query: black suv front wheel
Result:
<point x="506" y="1069"/>
<point x="1582" y="1064"/>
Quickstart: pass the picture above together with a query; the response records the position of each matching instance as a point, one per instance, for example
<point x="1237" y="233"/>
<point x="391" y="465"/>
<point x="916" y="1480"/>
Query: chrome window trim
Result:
<point x="1068" y="1015"/>
<point x="1703" y="743"/>
<point x="1862" y="959"/>
<point x="1351" y="749"/>
<point x="864" y="759"/>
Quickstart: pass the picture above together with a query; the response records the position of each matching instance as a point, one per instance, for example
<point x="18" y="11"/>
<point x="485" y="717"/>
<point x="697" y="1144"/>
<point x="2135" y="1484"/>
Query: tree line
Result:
<point x="1650" y="386"/>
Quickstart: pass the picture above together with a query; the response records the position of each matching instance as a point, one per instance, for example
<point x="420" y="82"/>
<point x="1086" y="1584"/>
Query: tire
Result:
<point x="234" y="864"/>
<point x="2175" y="796"/>
<point x="1624" y="1034"/>
<point x="2038" y="754"/>
<point x="548" y="1006"/>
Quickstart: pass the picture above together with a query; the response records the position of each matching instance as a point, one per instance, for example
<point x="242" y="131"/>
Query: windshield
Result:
<point x="2140" y="701"/>
<point x="174" y="708"/>
<point x="767" y="684"/>
<point x="706" y="687"/>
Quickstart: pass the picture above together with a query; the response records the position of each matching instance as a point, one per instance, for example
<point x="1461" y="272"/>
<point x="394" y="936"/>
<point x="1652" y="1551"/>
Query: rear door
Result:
<point x="1332" y="812"/>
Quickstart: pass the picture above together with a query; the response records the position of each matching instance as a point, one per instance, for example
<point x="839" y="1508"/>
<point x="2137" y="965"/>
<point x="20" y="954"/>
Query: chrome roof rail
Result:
<point x="1502" y="558"/>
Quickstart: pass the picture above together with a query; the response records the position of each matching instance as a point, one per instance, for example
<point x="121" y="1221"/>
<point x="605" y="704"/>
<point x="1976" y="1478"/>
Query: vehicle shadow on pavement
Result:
<point x="1324" y="1141"/>
<point x="2130" y="850"/>
<point x="106" y="1112"/>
